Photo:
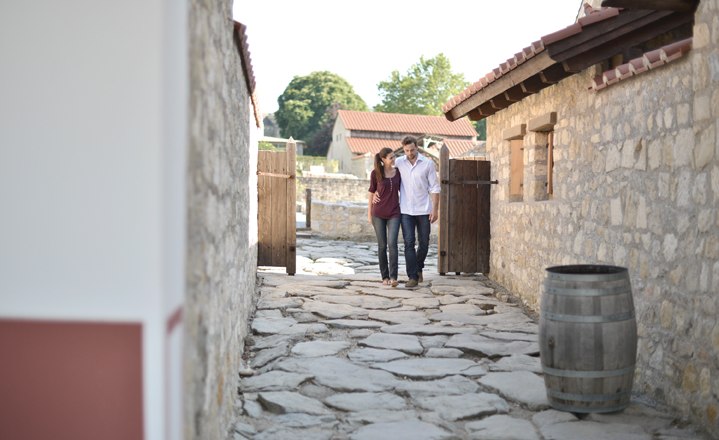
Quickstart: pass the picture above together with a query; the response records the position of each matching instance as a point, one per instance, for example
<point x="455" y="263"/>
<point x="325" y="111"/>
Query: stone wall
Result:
<point x="341" y="220"/>
<point x="348" y="221"/>
<point x="331" y="189"/>
<point x="221" y="259"/>
<point x="636" y="184"/>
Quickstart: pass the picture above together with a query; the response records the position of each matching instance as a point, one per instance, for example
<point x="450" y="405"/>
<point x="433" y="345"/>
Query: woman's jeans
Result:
<point x="414" y="260"/>
<point x="387" y="231"/>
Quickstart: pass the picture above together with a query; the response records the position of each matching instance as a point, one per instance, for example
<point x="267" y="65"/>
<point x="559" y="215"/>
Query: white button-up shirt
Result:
<point x="418" y="181"/>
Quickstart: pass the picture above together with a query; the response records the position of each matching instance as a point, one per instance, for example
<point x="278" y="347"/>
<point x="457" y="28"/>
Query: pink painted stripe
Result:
<point x="174" y="320"/>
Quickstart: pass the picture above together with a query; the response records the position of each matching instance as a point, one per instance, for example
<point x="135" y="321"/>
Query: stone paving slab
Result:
<point x="336" y="355"/>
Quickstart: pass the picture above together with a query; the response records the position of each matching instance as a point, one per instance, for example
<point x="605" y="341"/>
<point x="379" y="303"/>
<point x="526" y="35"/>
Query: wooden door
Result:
<point x="464" y="214"/>
<point x="276" y="216"/>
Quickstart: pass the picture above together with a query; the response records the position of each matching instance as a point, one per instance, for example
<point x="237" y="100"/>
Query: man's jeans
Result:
<point x="387" y="231"/>
<point x="414" y="260"/>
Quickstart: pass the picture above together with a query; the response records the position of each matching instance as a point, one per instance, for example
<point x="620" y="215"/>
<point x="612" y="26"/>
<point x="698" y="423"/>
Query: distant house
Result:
<point x="358" y="136"/>
<point x="604" y="139"/>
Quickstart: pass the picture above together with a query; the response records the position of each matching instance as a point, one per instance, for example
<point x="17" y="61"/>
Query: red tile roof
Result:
<point x="457" y="147"/>
<point x="407" y="124"/>
<point x="649" y="60"/>
<point x="243" y="48"/>
<point x="594" y="16"/>
<point x="371" y="145"/>
<point x="593" y="38"/>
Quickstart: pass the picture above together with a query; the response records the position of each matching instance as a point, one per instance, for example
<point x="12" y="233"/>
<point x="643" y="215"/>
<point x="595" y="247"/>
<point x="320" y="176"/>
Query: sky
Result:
<point x="364" y="42"/>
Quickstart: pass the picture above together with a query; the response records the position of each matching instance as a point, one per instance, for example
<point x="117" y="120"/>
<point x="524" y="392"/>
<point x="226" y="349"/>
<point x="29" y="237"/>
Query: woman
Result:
<point x="384" y="215"/>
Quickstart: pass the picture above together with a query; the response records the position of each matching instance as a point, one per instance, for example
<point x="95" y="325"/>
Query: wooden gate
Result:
<point x="276" y="217"/>
<point x="464" y="214"/>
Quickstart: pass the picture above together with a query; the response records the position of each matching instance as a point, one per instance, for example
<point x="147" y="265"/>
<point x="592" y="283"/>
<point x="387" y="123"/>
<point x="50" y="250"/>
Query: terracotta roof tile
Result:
<point x="636" y="66"/>
<point x="598" y="15"/>
<point x="406" y="124"/>
<point x="561" y="34"/>
<point x="650" y="60"/>
<point x="653" y="58"/>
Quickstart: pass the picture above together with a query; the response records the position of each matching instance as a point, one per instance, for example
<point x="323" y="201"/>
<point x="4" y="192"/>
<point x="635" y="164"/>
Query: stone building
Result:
<point x="604" y="137"/>
<point x="358" y="136"/>
<point x="128" y="231"/>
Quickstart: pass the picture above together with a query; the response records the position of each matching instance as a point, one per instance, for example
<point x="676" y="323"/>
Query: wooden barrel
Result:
<point x="587" y="338"/>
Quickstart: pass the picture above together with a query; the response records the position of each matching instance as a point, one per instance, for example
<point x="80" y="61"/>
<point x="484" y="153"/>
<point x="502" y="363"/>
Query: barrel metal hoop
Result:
<point x="588" y="397"/>
<point x="607" y="291"/>
<point x="588" y="374"/>
<point x="560" y="317"/>
<point x="588" y="277"/>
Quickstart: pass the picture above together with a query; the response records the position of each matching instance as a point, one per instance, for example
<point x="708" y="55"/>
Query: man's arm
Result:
<point x="434" y="189"/>
<point x="434" y="215"/>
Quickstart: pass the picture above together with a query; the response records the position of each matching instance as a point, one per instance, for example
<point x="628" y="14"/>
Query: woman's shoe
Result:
<point x="395" y="283"/>
<point x="385" y="281"/>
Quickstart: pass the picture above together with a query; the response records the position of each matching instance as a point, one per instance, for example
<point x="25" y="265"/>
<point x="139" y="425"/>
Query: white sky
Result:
<point x="364" y="41"/>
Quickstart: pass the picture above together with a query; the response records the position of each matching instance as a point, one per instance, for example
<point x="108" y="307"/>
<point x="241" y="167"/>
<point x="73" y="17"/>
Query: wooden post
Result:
<point x="291" y="255"/>
<point x="308" y="208"/>
<point x="443" y="209"/>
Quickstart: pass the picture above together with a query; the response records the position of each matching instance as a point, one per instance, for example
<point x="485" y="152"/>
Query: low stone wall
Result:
<point x="348" y="221"/>
<point x="341" y="220"/>
<point x="331" y="189"/>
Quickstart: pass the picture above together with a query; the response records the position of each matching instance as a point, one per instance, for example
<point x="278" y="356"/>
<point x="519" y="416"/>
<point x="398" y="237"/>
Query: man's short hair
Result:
<point x="409" y="140"/>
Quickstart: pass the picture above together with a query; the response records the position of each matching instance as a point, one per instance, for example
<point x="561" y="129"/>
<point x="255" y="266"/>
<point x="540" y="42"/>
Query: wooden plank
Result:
<point x="263" y="210"/>
<point x="454" y="255"/>
<point x="483" y="218"/>
<point x="443" y="210"/>
<point x="469" y="218"/>
<point x="279" y="211"/>
<point x="290" y="193"/>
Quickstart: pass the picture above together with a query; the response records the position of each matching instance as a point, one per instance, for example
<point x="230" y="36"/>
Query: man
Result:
<point x="419" y="206"/>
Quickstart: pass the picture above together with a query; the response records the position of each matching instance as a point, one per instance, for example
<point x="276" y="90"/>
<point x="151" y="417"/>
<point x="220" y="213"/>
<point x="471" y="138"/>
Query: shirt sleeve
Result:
<point x="372" y="182"/>
<point x="434" y="187"/>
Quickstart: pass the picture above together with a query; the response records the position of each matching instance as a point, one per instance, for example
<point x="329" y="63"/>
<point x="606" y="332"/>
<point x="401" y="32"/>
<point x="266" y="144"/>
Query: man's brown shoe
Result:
<point x="410" y="283"/>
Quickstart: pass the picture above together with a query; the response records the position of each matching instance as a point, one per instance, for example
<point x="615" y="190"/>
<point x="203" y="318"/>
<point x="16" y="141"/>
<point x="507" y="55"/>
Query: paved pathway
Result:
<point x="336" y="355"/>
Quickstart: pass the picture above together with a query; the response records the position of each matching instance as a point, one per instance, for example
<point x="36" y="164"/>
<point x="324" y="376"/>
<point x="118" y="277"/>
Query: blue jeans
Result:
<point x="387" y="231"/>
<point x="414" y="259"/>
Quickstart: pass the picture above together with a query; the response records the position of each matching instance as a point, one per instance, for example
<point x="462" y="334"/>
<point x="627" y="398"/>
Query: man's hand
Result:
<point x="433" y="216"/>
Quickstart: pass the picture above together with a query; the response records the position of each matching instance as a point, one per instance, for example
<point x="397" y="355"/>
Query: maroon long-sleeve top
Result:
<point x="388" y="206"/>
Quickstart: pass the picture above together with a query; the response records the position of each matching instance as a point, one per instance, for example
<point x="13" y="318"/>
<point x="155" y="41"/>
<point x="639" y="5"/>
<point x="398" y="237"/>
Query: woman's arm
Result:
<point x="370" y="196"/>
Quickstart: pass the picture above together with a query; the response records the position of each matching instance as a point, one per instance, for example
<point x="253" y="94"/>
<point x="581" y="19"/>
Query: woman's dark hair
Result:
<point x="379" y="166"/>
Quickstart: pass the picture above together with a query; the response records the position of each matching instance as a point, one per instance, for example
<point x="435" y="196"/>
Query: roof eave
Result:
<point x="565" y="57"/>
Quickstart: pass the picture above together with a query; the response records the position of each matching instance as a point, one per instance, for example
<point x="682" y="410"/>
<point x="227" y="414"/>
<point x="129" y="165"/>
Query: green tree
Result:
<point x="481" y="128"/>
<point x="427" y="85"/>
<point x="306" y="107"/>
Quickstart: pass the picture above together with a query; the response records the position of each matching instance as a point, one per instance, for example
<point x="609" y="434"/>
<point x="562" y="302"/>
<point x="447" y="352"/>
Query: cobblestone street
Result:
<point x="334" y="354"/>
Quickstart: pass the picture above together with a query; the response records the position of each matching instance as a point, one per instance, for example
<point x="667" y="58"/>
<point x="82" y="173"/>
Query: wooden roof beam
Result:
<point x="664" y="5"/>
<point x="611" y="48"/>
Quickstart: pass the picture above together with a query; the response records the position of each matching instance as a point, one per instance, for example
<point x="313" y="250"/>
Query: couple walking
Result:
<point x="403" y="192"/>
